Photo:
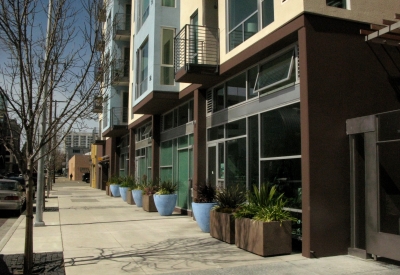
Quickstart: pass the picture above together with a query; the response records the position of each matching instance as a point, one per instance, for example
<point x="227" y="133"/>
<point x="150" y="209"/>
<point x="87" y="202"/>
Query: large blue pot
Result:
<point x="115" y="190"/>
<point x="137" y="197"/>
<point x="201" y="212"/>
<point x="123" y="191"/>
<point x="165" y="204"/>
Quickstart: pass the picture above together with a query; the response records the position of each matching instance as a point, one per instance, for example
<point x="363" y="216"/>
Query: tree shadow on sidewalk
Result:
<point x="180" y="254"/>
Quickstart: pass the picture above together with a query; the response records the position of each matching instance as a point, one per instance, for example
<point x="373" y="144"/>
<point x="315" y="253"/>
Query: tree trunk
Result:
<point x="28" y="254"/>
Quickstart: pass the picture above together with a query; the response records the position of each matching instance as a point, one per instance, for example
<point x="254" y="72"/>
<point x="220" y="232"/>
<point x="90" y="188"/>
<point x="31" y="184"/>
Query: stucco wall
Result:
<point x="76" y="163"/>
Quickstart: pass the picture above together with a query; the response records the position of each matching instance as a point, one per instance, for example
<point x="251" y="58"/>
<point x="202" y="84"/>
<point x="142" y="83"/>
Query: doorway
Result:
<point x="375" y="184"/>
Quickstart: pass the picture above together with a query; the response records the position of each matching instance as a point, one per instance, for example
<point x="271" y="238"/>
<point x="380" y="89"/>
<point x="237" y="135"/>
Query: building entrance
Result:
<point x="375" y="184"/>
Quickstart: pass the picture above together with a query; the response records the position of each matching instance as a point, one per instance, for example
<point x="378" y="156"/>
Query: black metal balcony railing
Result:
<point x="121" y="26"/>
<point x="99" y="41"/>
<point x="101" y="12"/>
<point x="196" y="45"/>
<point x="120" y="70"/>
<point x="118" y="116"/>
<point x="99" y="71"/>
<point x="97" y="105"/>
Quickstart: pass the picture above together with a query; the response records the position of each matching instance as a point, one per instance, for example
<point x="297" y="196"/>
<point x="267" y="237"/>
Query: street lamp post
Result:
<point x="40" y="177"/>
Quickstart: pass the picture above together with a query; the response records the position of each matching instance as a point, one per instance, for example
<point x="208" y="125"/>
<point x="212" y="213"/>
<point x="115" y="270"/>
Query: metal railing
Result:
<point x="119" y="69"/>
<point x="98" y="71"/>
<point x="119" y="116"/>
<point x="97" y="104"/>
<point x="121" y="24"/>
<point x="99" y="41"/>
<point x="196" y="45"/>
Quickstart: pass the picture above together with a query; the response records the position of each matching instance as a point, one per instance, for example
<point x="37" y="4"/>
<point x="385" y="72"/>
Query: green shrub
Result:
<point x="205" y="193"/>
<point x="230" y="198"/>
<point x="167" y="187"/>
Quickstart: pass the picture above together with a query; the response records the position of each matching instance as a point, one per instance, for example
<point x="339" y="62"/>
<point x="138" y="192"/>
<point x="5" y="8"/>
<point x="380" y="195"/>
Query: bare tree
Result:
<point x="33" y="69"/>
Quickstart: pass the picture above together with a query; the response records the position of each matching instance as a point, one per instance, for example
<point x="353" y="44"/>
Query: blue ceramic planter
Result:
<point x="165" y="204"/>
<point x="115" y="190"/>
<point x="137" y="197"/>
<point x="123" y="191"/>
<point x="201" y="212"/>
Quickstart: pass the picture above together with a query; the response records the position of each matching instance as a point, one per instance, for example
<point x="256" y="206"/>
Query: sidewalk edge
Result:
<point x="10" y="232"/>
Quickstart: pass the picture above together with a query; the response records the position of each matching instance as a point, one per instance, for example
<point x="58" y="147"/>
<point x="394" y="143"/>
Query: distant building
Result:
<point x="78" y="165"/>
<point x="78" y="140"/>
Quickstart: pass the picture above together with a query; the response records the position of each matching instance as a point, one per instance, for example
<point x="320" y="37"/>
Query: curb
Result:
<point x="10" y="232"/>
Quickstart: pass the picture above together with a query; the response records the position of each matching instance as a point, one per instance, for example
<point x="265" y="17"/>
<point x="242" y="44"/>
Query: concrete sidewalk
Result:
<point x="99" y="234"/>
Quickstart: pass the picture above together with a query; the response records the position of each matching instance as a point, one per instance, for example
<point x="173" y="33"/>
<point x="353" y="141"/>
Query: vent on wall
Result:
<point x="209" y="102"/>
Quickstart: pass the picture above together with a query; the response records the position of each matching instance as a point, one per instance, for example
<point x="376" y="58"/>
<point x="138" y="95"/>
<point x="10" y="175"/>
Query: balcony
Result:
<point x="196" y="57"/>
<point x="99" y="72"/>
<point x="99" y="42"/>
<point x="122" y="27"/>
<point x="120" y="72"/>
<point x="101" y="12"/>
<point x="117" y="120"/>
<point x="97" y="105"/>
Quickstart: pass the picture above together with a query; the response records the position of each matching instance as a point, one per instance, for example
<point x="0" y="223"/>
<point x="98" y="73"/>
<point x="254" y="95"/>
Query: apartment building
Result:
<point x="271" y="91"/>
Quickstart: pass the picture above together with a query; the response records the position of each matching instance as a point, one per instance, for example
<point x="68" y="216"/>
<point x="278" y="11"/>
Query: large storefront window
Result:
<point x="178" y="116"/>
<point x="280" y="132"/>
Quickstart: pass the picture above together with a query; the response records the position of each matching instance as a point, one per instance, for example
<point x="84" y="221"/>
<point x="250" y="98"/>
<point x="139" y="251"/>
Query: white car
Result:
<point x="12" y="195"/>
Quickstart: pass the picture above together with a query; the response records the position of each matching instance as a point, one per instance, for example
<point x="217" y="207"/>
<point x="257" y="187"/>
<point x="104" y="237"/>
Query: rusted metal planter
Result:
<point x="129" y="198"/>
<point x="222" y="226"/>
<point x="263" y="238"/>
<point x="148" y="203"/>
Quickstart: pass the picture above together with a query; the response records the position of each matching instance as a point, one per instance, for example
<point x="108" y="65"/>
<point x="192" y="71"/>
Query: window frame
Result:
<point x="163" y="5"/>
<point x="139" y="58"/>
<point x="273" y="57"/>
<point x="162" y="64"/>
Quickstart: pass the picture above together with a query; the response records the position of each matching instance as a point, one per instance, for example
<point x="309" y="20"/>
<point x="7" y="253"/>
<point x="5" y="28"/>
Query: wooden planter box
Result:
<point x="129" y="197"/>
<point x="263" y="238"/>
<point x="108" y="192"/>
<point x="148" y="203"/>
<point x="222" y="226"/>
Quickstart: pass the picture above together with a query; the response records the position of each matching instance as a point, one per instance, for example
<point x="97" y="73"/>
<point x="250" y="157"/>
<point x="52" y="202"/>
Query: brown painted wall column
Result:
<point x="132" y="163"/>
<point x="305" y="146"/>
<point x="155" y="143"/>
<point x="341" y="78"/>
<point x="200" y="139"/>
<point x="111" y="152"/>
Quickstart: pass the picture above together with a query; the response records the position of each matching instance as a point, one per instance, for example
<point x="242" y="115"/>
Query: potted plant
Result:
<point x="131" y="182"/>
<point x="115" y="181"/>
<point x="262" y="226"/>
<point x="222" y="222"/>
<point x="137" y="193"/>
<point x="165" y="198"/>
<point x="149" y="189"/>
<point x="123" y="188"/>
<point x="202" y="205"/>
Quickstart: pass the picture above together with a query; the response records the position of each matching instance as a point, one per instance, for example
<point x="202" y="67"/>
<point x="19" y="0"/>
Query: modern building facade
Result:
<point x="262" y="93"/>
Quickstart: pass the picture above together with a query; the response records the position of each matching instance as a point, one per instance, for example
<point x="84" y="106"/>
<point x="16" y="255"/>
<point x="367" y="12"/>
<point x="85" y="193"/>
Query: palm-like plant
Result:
<point x="229" y="199"/>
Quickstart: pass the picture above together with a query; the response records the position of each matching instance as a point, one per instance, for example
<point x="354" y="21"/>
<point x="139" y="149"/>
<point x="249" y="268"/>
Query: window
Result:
<point x="267" y="12"/>
<point x="344" y="4"/>
<point x="168" y="3"/>
<point x="143" y="56"/>
<point x="219" y="98"/>
<point x="144" y="11"/>
<point x="276" y="72"/>
<point x="236" y="90"/>
<point x="244" y="20"/>
<point x="167" y="60"/>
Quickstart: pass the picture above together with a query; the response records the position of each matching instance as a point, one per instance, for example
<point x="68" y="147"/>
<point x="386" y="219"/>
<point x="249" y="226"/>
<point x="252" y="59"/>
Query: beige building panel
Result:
<point x="369" y="11"/>
<point x="283" y="13"/>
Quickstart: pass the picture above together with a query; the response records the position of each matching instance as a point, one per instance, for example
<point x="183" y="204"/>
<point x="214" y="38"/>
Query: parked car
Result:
<point x="12" y="196"/>
<point x="86" y="177"/>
